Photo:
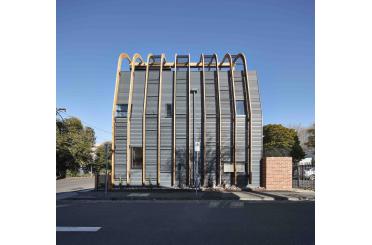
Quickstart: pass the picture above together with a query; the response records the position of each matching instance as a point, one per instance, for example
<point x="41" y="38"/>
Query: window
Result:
<point x="169" y="110"/>
<point x="240" y="108"/>
<point x="121" y="110"/>
<point x="136" y="157"/>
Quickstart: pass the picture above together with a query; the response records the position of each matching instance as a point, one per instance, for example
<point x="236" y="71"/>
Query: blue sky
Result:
<point x="276" y="36"/>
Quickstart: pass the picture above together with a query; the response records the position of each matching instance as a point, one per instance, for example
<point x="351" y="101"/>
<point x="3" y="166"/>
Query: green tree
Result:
<point x="100" y="161"/>
<point x="281" y="141"/>
<point x="74" y="144"/>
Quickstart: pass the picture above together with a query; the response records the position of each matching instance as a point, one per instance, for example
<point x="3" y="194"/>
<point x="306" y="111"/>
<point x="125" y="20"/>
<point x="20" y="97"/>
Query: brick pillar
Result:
<point x="277" y="173"/>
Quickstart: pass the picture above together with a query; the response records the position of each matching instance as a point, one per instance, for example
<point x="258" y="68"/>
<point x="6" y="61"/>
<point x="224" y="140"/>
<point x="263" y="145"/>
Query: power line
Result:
<point x="90" y="125"/>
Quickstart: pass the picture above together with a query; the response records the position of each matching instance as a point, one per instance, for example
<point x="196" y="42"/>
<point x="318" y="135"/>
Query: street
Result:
<point x="185" y="222"/>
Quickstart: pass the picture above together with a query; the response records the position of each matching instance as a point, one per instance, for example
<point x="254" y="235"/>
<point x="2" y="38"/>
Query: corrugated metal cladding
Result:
<point x="218" y="122"/>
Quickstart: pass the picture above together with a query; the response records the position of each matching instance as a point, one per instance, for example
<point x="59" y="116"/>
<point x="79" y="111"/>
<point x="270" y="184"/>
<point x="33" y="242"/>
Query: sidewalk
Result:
<point x="294" y="195"/>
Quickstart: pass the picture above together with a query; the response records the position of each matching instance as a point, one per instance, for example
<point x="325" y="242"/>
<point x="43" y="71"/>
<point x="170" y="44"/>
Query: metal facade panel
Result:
<point x="256" y="121"/>
<point x="121" y="129"/>
<point x="226" y="124"/>
<point x="196" y="83"/>
<point x="137" y="108"/>
<point x="241" y="151"/>
<point x="181" y="124"/>
<point x="211" y="127"/>
<point x="166" y="130"/>
<point x="151" y="127"/>
<point x="123" y="87"/>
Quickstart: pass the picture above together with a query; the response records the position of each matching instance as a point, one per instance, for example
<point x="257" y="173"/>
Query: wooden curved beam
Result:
<point x="144" y="121"/>
<point x="218" y="146"/>
<point x="129" y="113"/>
<point x="204" y="120"/>
<point x="174" y="122"/>
<point x="162" y="57"/>
<point x="135" y="57"/>
<point x="122" y="56"/>
<point x="248" y="108"/>
<point x="233" y="106"/>
<point x="188" y="122"/>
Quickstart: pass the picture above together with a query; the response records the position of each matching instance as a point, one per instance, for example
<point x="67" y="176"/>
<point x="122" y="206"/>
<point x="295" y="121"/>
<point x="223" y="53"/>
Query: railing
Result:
<point x="303" y="176"/>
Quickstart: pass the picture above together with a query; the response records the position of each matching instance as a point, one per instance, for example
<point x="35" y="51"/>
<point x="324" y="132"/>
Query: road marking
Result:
<point x="214" y="204"/>
<point x="138" y="194"/>
<point x="236" y="204"/>
<point x="63" y="205"/>
<point x="77" y="229"/>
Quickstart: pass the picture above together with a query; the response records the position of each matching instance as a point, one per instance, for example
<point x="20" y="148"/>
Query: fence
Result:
<point x="303" y="176"/>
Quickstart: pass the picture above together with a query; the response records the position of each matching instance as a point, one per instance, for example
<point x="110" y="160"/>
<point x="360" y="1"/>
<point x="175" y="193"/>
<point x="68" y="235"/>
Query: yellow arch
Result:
<point x="144" y="122"/>
<point x="122" y="56"/>
<point x="219" y="123"/>
<point x="129" y="113"/>
<point x="248" y="109"/>
<point x="231" y="81"/>
<point x="174" y="122"/>
<point x="162" y="57"/>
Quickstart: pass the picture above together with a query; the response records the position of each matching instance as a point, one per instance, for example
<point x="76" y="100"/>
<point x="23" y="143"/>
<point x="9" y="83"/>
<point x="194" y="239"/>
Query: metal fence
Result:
<point x="303" y="176"/>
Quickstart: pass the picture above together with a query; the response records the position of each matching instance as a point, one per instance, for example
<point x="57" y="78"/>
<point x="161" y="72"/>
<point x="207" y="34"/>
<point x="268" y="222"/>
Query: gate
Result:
<point x="303" y="176"/>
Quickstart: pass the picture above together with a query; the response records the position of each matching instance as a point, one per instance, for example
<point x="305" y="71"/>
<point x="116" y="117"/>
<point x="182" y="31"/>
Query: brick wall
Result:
<point x="277" y="173"/>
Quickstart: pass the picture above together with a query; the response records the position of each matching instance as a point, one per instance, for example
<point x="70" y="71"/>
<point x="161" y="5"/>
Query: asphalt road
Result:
<point x="187" y="222"/>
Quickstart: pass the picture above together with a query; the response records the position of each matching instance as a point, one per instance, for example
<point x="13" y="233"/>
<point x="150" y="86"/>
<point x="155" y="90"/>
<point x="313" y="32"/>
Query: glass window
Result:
<point x="121" y="110"/>
<point x="240" y="108"/>
<point x="169" y="110"/>
<point x="136" y="157"/>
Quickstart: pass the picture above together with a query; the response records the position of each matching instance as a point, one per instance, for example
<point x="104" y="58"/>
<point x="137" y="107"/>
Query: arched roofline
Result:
<point x="227" y="56"/>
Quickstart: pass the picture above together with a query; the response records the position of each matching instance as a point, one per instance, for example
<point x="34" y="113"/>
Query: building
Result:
<point x="161" y="108"/>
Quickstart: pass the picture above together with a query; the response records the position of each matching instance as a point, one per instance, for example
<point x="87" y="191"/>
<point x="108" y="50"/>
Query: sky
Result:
<point x="277" y="38"/>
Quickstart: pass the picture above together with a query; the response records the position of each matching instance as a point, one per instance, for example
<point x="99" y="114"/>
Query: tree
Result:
<point x="100" y="161"/>
<point x="74" y="144"/>
<point x="282" y="141"/>
<point x="297" y="152"/>
<point x="311" y="137"/>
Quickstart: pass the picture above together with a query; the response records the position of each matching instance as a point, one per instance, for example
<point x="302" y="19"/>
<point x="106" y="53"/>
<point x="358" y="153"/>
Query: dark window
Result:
<point x="136" y="157"/>
<point x="121" y="110"/>
<point x="169" y="110"/>
<point x="240" y="108"/>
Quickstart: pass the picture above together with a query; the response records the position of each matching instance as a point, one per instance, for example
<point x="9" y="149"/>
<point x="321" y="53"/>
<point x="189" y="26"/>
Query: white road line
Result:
<point x="77" y="229"/>
<point x="138" y="194"/>
<point x="63" y="205"/>
<point x="236" y="204"/>
<point x="214" y="204"/>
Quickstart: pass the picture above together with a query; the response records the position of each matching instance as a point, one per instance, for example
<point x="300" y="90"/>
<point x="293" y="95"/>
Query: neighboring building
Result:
<point x="149" y="149"/>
